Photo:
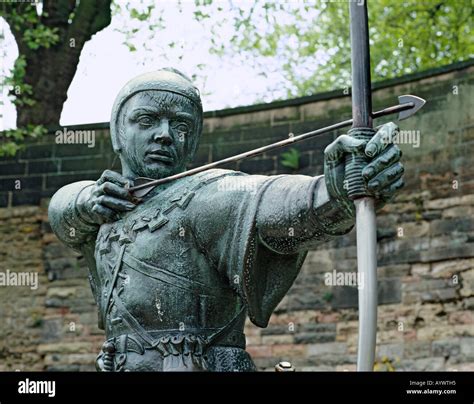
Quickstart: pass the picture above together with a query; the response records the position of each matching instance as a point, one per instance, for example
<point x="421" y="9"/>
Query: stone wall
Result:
<point x="426" y="240"/>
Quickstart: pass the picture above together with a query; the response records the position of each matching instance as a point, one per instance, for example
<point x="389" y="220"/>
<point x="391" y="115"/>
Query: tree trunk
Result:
<point x="50" y="71"/>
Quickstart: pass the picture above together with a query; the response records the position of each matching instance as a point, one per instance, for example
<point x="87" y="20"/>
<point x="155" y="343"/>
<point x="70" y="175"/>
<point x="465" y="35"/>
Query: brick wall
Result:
<point x="426" y="240"/>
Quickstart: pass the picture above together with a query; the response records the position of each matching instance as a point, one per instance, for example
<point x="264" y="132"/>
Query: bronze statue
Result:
<point x="175" y="273"/>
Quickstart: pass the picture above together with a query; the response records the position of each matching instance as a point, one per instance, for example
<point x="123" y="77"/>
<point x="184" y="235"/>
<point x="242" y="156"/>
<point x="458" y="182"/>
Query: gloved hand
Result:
<point x="382" y="175"/>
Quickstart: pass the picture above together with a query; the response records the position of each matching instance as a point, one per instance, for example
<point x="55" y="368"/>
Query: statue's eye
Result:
<point x="180" y="127"/>
<point x="145" y="120"/>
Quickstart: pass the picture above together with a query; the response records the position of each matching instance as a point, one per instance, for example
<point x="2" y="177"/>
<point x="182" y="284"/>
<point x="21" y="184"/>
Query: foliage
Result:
<point x="37" y="83"/>
<point x="327" y="297"/>
<point x="310" y="40"/>
<point x="35" y="35"/>
<point x="291" y="159"/>
<point x="385" y="364"/>
<point x="19" y="87"/>
<point x="12" y="140"/>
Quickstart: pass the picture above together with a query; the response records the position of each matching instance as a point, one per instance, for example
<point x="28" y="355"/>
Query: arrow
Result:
<point x="408" y="105"/>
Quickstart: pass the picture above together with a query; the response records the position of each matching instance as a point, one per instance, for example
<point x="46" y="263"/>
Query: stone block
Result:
<point x="57" y="181"/>
<point x="277" y="339"/>
<point x="66" y="348"/>
<point x="391" y="351"/>
<point x="446" y="348"/>
<point x="461" y="317"/>
<point x="259" y="351"/>
<point x="424" y="365"/>
<point x="467" y="348"/>
<point x="285" y="114"/>
<point x="258" y="166"/>
<point x="274" y="329"/>
<point x="61" y="292"/>
<point x="416" y="349"/>
<point x="449" y="252"/>
<point x="393" y="271"/>
<point x="37" y="152"/>
<point x="51" y="329"/>
<point x="347" y="367"/>
<point x="250" y="119"/>
<point x="461" y="367"/>
<point x="415" y="229"/>
<point x="449" y="202"/>
<point x="420" y="269"/>
<point x="467" y="280"/>
<point x="452" y="225"/>
<point x="298" y="299"/>
<point x="444" y="332"/>
<point x="332" y="348"/>
<point x="90" y="163"/>
<point x="289" y="351"/>
<point x="12" y="168"/>
<point x="450" y="267"/>
<point x="44" y="166"/>
<point x="439" y="295"/>
<point x="458" y="211"/>
<point x="468" y="303"/>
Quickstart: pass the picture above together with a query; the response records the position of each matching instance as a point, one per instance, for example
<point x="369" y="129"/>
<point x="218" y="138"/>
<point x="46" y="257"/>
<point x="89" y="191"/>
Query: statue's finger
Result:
<point x="343" y="144"/>
<point x="389" y="157"/>
<point x="112" y="189"/>
<point x="381" y="140"/>
<point x="116" y="178"/>
<point x="106" y="214"/>
<point x="116" y="204"/>
<point x="388" y="193"/>
<point x="385" y="178"/>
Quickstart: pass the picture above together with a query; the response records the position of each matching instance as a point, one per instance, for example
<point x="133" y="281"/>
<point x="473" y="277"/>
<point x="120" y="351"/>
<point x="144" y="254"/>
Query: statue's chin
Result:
<point x="157" y="171"/>
<point x="134" y="167"/>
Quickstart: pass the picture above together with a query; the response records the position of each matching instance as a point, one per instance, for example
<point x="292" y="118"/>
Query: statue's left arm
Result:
<point x="256" y="230"/>
<point x="298" y="212"/>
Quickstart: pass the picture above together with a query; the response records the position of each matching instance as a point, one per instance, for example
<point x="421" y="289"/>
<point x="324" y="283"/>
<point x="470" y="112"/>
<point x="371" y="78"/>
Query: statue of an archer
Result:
<point x="176" y="272"/>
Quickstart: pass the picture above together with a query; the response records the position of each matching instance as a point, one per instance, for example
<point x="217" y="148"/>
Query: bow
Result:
<point x="365" y="212"/>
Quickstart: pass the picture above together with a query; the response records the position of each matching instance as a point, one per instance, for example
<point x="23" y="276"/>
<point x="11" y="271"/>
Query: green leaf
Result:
<point x="290" y="159"/>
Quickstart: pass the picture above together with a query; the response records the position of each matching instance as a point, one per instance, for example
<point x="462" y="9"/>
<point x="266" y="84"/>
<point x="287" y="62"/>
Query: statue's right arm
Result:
<point x="77" y="210"/>
<point x="71" y="223"/>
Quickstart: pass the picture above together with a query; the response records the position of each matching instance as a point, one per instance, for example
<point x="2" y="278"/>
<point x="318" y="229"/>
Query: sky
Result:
<point x="106" y="64"/>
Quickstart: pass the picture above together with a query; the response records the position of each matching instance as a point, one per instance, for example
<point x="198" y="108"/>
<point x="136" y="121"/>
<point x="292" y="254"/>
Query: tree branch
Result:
<point x="8" y="10"/>
<point x="56" y="12"/>
<point x="90" y="17"/>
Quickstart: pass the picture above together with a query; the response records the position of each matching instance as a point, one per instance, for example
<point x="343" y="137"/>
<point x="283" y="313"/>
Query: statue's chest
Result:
<point x="157" y="232"/>
<point x="151" y="268"/>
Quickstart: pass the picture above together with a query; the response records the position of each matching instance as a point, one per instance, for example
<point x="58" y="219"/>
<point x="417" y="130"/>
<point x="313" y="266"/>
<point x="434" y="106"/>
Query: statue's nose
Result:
<point x="162" y="132"/>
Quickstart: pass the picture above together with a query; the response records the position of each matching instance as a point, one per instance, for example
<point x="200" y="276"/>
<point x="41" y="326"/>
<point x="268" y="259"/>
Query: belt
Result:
<point x="177" y="341"/>
<point x="169" y="344"/>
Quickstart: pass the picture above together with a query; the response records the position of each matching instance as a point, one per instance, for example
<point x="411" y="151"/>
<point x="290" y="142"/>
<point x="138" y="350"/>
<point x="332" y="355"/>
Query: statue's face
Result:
<point x="156" y="131"/>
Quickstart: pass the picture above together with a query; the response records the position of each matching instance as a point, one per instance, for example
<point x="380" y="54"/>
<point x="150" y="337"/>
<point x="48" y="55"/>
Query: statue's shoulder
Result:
<point x="200" y="180"/>
<point x="215" y="174"/>
<point x="187" y="187"/>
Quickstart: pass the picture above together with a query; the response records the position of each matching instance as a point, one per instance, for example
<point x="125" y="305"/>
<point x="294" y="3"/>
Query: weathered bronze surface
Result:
<point x="176" y="273"/>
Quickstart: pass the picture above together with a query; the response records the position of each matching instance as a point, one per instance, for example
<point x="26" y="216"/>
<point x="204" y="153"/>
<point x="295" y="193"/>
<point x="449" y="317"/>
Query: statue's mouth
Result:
<point x="160" y="155"/>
